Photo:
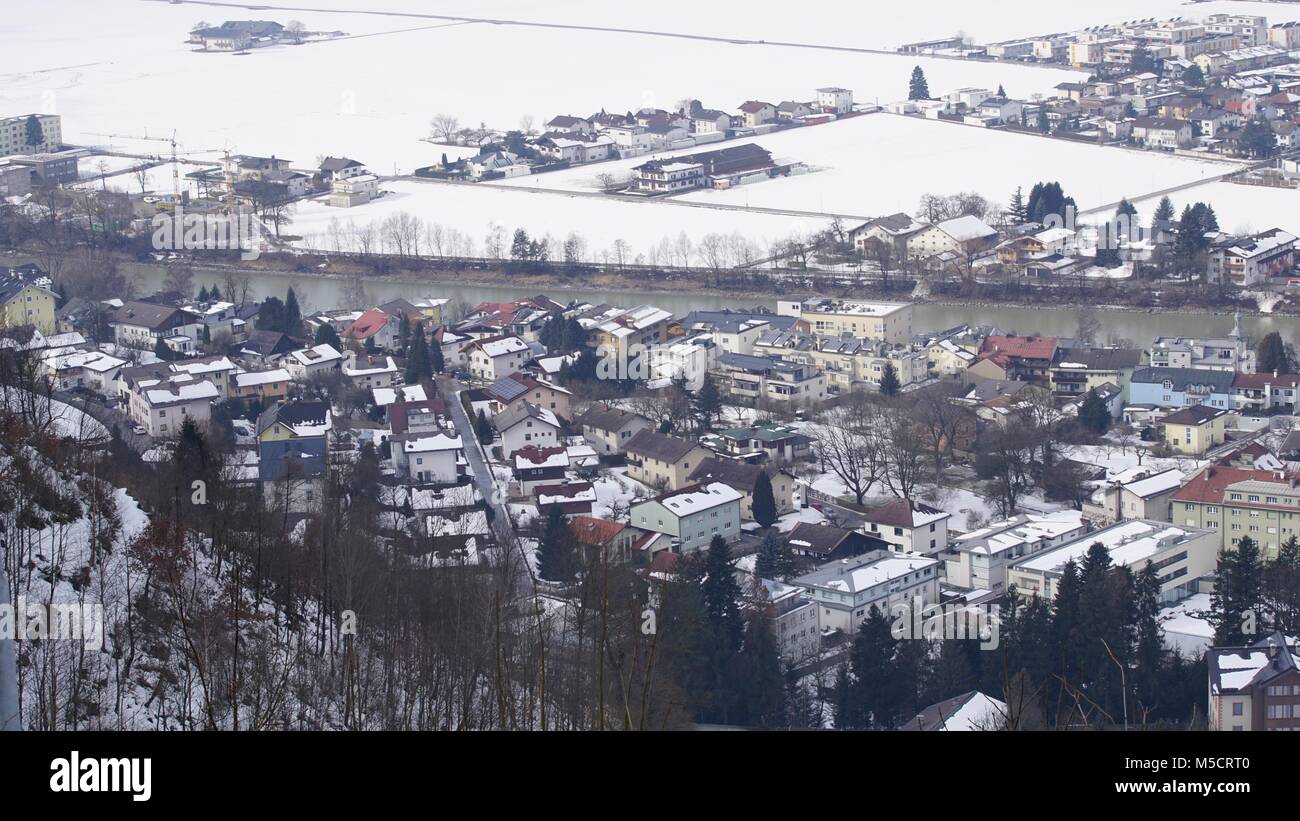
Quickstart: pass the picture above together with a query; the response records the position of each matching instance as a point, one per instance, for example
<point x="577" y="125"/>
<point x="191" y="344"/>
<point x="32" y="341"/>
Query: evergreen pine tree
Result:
<point x="483" y="428"/>
<point x="326" y="335"/>
<point x="1149" y="655"/>
<point x="760" y="682"/>
<point x="203" y="294"/>
<point x="556" y="551"/>
<point x="436" y="360"/>
<point x="214" y="293"/>
<point x="161" y="350"/>
<point x="1238" y="591"/>
<point x="722" y="595"/>
<point x="35" y="134"/>
<point x="1282" y="588"/>
<point x="878" y="695"/>
<point x="1163" y="219"/>
<point x="1271" y="354"/>
<point x="918" y="88"/>
<point x="417" y="357"/>
<point x="764" y="502"/>
<point x="292" y="323"/>
<point x="1093" y="414"/>
<point x="707" y="403"/>
<point x="889" y="383"/>
<point x="1016" y="210"/>
<point x="767" y="564"/>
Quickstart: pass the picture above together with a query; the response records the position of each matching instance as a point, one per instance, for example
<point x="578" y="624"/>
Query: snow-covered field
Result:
<point x="473" y="211"/>
<point x="883" y="163"/>
<point x="1239" y="207"/>
<point x="126" y="67"/>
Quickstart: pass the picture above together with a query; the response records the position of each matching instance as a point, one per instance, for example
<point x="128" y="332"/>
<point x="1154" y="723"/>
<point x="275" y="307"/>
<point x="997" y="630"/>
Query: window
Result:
<point x="1237" y="708"/>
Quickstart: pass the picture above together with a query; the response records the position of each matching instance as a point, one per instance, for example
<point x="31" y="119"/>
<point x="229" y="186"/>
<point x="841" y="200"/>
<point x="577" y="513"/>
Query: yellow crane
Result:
<point x="176" y="175"/>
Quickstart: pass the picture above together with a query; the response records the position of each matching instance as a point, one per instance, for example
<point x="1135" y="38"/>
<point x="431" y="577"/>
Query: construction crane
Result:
<point x="176" y="165"/>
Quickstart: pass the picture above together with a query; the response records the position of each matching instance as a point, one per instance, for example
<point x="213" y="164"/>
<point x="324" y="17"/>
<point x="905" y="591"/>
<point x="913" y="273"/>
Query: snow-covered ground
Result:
<point x="1240" y="208"/>
<point x="473" y="211"/>
<point x="883" y="163"/>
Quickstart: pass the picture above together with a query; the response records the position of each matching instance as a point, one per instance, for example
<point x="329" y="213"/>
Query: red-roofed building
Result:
<point x="909" y="527"/>
<point x="572" y="498"/>
<point x="1024" y="358"/>
<point x="536" y="467"/>
<point x="601" y="534"/>
<point x="375" y="325"/>
<point x="417" y="417"/>
<point x="1262" y="392"/>
<point x="1238" y="502"/>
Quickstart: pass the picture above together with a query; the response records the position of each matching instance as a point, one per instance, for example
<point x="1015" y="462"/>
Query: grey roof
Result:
<point x="507" y="389"/>
<point x="516" y="413"/>
<point x="730" y="321"/>
<point x="293" y="414"/>
<point x="1100" y="359"/>
<point x="1182" y="378"/>
<point x="609" y="419"/>
<point x="1222" y="660"/>
<point x="988" y="389"/>
<point x="936" y="716"/>
<point x="740" y="475"/>
<point x="332" y="164"/>
<point x="146" y="315"/>
<point x="825" y="540"/>
<point x="265" y="343"/>
<point x="659" y="446"/>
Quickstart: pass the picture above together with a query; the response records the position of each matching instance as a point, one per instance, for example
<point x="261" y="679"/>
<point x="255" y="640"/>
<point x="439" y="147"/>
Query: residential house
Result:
<point x="1241" y="501"/>
<point x="691" y="515"/>
<point x="979" y="559"/>
<point x="497" y="356"/>
<point x="534" y="467"/>
<point x="267" y="386"/>
<point x="908" y="526"/>
<point x="1248" y="261"/>
<point x="1193" y="430"/>
<point x="524" y="424"/>
<point x="1181" y="555"/>
<point x="428" y="458"/>
<point x="375" y="329"/>
<point x="966" y="237"/>
<point x="895" y="231"/>
<point x="793" y="615"/>
<point x="293" y="441"/>
<point x="609" y="429"/>
<point x="769" y="379"/>
<point x="1136" y="493"/>
<point x="1023" y="358"/>
<point x="1166" y="133"/>
<point x="142" y="324"/>
<point x="368" y="372"/>
<point x="847" y="591"/>
<point x="161" y="406"/>
<point x="1265" y="392"/>
<point x="1255" y="687"/>
<point x="1229" y="354"/>
<point x="1075" y="371"/>
<point x="823" y="543"/>
<point x="1165" y="387"/>
<point x="571" y="498"/>
<point x="756" y="112"/>
<point x="662" y="461"/>
<point x="519" y="387"/>
<point x="318" y="360"/>
<point x="26" y="298"/>
<point x="887" y="321"/>
<point x="743" y="477"/>
<point x="766" y="441"/>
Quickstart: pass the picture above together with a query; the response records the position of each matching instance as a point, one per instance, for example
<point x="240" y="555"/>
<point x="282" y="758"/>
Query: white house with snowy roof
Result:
<point x="317" y="360"/>
<point x="847" y="590"/>
<point x="908" y="526"/>
<point x="978" y="560"/>
<point x="428" y="458"/>
<point x="966" y="236"/>
<point x="692" y="516"/>
<point x="497" y="356"/>
<point x="1136" y="493"/>
<point x="162" y="406"/>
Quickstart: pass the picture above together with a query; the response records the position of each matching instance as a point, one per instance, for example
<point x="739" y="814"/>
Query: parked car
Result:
<point x="139" y="430"/>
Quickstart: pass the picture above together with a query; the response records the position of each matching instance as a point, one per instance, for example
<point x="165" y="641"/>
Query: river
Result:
<point x="318" y="293"/>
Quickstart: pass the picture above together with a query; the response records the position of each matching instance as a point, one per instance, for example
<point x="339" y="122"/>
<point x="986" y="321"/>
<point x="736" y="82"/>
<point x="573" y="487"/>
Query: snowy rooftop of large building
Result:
<point x="1128" y="543"/>
<point x="857" y="575"/>
<point x="1026" y="529"/>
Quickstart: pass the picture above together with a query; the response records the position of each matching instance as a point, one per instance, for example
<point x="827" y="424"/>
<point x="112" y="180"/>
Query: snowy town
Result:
<point x="957" y="394"/>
